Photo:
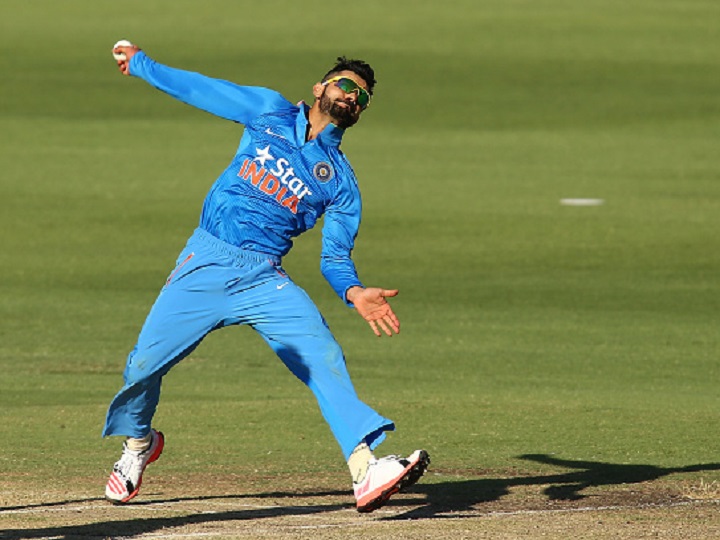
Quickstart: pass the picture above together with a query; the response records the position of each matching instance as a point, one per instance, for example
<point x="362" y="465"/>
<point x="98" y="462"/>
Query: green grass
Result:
<point x="528" y="327"/>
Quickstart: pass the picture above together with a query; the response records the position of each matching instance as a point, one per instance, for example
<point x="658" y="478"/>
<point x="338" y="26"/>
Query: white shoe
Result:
<point x="126" y="478"/>
<point x="386" y="476"/>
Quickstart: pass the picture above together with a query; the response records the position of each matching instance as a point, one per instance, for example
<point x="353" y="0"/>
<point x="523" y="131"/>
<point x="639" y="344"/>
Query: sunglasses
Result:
<point x="349" y="86"/>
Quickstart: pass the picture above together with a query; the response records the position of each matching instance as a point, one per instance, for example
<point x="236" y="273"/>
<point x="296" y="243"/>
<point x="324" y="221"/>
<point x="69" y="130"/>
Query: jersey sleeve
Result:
<point x="221" y="98"/>
<point x="340" y="228"/>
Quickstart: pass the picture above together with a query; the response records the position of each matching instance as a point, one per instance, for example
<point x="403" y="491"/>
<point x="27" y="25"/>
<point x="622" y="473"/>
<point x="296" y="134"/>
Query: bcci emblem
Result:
<point x="323" y="171"/>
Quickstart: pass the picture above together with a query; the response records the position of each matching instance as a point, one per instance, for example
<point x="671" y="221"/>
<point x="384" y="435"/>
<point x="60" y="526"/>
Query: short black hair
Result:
<point x="358" y="67"/>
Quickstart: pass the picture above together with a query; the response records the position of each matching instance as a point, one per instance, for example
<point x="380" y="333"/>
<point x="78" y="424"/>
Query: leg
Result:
<point x="291" y="324"/>
<point x="318" y="361"/>
<point x="187" y="309"/>
<point x="293" y="327"/>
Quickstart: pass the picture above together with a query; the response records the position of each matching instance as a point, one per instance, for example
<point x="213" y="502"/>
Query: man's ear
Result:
<point x="318" y="90"/>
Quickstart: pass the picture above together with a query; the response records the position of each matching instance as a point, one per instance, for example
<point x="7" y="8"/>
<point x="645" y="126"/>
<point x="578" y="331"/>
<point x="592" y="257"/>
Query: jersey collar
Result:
<point x="330" y="136"/>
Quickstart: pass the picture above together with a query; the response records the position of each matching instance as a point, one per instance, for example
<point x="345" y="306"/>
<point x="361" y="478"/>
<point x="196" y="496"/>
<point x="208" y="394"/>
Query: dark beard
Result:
<point x="343" y="117"/>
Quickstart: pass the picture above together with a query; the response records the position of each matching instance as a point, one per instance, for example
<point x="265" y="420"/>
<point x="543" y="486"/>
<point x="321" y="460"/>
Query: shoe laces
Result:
<point x="129" y="461"/>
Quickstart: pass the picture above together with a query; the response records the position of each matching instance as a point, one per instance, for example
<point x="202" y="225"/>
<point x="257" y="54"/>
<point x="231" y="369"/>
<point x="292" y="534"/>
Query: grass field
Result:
<point x="559" y="363"/>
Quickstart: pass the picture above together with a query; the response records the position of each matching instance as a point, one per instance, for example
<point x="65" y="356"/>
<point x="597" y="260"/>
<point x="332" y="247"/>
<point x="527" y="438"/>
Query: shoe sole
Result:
<point x="411" y="476"/>
<point x="154" y="457"/>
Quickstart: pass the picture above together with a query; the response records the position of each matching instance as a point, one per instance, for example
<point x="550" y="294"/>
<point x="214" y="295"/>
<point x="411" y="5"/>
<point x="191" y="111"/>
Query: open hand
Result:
<point x="372" y="306"/>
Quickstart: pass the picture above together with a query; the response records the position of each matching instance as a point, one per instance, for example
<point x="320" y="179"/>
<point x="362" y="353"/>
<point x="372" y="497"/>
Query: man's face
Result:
<point x="342" y="107"/>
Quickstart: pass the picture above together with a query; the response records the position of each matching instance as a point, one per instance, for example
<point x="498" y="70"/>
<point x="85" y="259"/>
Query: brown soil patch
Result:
<point x="442" y="506"/>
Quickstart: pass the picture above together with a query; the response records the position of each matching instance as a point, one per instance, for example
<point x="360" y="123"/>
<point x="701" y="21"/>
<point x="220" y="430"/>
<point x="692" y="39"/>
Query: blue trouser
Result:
<point x="214" y="285"/>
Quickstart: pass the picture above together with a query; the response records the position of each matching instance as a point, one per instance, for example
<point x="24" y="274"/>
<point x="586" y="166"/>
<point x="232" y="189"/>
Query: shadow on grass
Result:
<point x="134" y="527"/>
<point x="439" y="499"/>
<point x="567" y="486"/>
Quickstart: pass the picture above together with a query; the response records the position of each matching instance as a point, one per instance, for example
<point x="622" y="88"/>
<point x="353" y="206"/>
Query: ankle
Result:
<point x="359" y="461"/>
<point x="139" y="445"/>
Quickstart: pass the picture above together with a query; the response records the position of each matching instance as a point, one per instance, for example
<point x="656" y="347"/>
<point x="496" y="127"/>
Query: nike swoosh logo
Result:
<point x="274" y="134"/>
<point x="282" y="285"/>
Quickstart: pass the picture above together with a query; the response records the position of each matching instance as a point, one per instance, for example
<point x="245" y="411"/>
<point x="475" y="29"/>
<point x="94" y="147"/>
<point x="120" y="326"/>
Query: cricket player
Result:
<point x="288" y="171"/>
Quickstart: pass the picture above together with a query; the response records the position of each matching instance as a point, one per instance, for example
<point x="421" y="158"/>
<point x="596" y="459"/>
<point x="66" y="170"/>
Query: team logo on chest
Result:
<point x="278" y="182"/>
<point x="323" y="171"/>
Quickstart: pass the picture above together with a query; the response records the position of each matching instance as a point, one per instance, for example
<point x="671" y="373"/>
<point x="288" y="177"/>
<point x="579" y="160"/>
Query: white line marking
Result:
<point x="461" y="514"/>
<point x="582" y="509"/>
<point x="150" y="506"/>
<point x="582" y="202"/>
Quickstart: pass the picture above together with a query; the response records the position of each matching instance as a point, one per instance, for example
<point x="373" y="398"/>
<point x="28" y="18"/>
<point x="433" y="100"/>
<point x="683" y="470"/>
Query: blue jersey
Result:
<point x="278" y="184"/>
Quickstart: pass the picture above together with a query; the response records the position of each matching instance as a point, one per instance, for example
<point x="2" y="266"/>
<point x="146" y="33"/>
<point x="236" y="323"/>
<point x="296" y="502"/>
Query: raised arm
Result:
<point x="221" y="98"/>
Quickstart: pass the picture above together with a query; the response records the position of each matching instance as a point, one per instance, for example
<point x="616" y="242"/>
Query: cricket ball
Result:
<point x="122" y="43"/>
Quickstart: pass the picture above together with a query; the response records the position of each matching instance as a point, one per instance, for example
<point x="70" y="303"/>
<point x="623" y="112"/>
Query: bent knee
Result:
<point x="139" y="369"/>
<point x="334" y="353"/>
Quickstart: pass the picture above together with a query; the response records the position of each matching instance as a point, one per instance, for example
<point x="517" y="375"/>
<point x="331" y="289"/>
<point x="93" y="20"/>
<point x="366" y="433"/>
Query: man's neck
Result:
<point x="317" y="121"/>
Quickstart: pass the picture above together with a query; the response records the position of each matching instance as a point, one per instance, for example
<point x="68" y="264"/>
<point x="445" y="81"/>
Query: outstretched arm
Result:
<point x="372" y="306"/>
<point x="221" y="98"/>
